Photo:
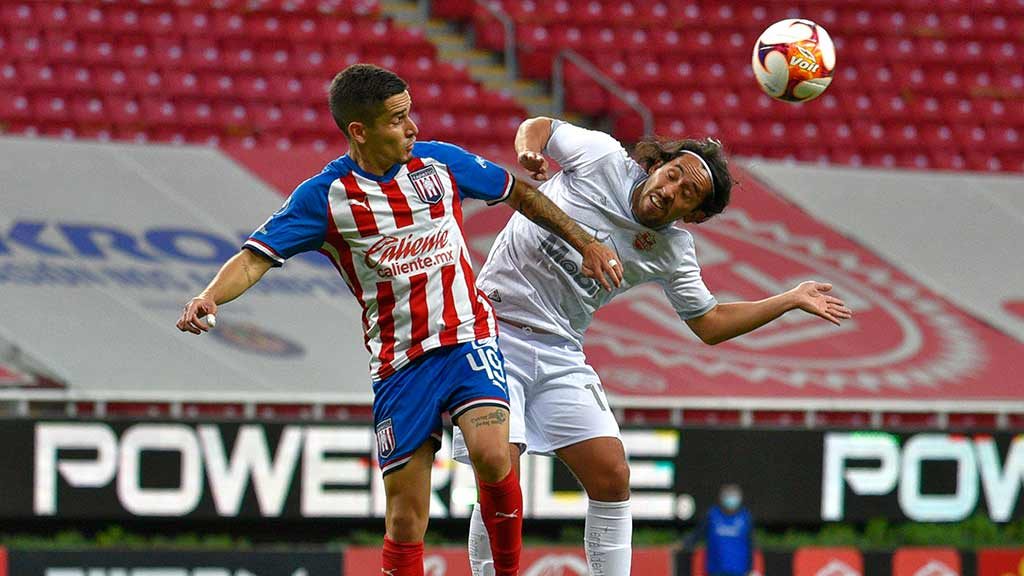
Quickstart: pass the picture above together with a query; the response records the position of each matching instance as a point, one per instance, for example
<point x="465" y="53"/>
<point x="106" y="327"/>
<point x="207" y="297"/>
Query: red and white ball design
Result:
<point x="793" y="60"/>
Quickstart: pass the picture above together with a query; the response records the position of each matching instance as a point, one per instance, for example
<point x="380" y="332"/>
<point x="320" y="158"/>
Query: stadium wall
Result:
<point x="536" y="561"/>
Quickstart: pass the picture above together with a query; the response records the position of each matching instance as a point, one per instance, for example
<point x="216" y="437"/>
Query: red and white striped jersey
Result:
<point x="397" y="241"/>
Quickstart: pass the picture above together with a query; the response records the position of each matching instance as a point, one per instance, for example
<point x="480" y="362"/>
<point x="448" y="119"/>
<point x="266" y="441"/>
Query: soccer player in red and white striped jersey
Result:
<point x="388" y="216"/>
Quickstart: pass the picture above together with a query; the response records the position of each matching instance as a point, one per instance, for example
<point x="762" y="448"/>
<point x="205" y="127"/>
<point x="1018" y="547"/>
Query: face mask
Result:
<point x="731" y="501"/>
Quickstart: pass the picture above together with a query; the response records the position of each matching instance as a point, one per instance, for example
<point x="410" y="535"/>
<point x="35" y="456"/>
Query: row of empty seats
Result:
<point x="373" y="39"/>
<point x="229" y="17"/>
<point x="965" y="25"/>
<point x="943" y="75"/>
<point x="75" y="82"/>
<point x="222" y="72"/>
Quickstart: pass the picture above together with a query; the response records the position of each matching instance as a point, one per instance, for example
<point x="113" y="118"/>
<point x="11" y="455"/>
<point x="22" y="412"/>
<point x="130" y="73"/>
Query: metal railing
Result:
<point x="45" y="403"/>
<point x="509" y="25"/>
<point x="558" y="87"/>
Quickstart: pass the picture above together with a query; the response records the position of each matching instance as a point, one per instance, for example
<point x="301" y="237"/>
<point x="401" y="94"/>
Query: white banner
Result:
<point x="100" y="247"/>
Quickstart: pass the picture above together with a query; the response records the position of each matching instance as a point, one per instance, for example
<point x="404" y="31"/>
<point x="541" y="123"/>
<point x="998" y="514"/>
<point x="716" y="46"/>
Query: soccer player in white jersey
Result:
<point x="388" y="216"/>
<point x="544" y="304"/>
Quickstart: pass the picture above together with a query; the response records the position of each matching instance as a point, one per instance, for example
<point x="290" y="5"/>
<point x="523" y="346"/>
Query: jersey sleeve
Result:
<point x="475" y="176"/>
<point x="685" y="288"/>
<point x="299" y="225"/>
<point x="574" y="147"/>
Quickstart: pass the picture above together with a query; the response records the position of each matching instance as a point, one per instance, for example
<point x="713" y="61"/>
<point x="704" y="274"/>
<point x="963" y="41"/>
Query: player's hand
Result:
<point x="602" y="264"/>
<point x="195" y="309"/>
<point x="812" y="297"/>
<point x="535" y="164"/>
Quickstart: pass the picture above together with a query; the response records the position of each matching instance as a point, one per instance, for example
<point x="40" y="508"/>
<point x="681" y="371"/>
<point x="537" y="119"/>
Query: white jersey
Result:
<point x="534" y="278"/>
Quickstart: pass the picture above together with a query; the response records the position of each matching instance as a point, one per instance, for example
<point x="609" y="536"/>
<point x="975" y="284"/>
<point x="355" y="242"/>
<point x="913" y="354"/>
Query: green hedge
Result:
<point x="977" y="531"/>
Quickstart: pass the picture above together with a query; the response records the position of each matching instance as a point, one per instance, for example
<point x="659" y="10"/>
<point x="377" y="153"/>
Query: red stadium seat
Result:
<point x="602" y="38"/>
<point x="11" y="78"/>
<point x="168" y="51"/>
<point x="231" y="115"/>
<point x="133" y="51"/>
<point x="226" y="24"/>
<point x="158" y="111"/>
<point x="111" y="80"/>
<point x="265" y="26"/>
<point x="123" y="110"/>
<point x="145" y="81"/>
<point x="196" y="113"/>
<point x="195" y="23"/>
<point x="157" y="21"/>
<point x="266" y="116"/>
<point x="214" y="85"/>
<point x="86" y="17"/>
<point x="61" y="46"/>
<point x="237" y="55"/>
<point x="50" y="108"/>
<point x="181" y="83"/>
<point x="937" y="136"/>
<point x="38" y="76"/>
<point x="18" y="15"/>
<point x="99" y="49"/>
<point x="275" y="57"/>
<point x="123" y="19"/>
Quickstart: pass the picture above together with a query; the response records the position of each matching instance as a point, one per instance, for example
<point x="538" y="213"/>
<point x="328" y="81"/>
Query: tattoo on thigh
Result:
<point x="496" y="418"/>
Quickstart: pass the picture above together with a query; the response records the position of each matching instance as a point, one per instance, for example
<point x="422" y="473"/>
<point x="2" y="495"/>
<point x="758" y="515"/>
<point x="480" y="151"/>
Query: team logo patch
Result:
<point x="644" y="241"/>
<point x="427" y="184"/>
<point x="385" y="438"/>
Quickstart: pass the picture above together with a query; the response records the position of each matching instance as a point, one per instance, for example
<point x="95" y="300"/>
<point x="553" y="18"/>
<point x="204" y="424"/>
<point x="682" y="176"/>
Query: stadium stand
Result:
<point x="936" y="87"/>
<point x="943" y="74"/>
<point x="231" y="73"/>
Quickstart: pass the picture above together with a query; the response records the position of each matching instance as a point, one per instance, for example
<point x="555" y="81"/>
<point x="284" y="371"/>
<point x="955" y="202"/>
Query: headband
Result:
<point x="706" y="167"/>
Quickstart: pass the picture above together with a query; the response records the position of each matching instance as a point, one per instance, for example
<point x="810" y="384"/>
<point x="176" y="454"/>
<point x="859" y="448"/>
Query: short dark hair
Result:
<point x="651" y="151"/>
<point x="357" y="93"/>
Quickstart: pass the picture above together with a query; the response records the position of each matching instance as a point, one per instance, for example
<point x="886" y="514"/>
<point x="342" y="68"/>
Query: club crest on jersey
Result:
<point x="644" y="241"/>
<point x="385" y="438"/>
<point x="427" y="184"/>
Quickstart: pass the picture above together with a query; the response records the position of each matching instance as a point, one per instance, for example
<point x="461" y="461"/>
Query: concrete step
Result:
<point x="483" y="66"/>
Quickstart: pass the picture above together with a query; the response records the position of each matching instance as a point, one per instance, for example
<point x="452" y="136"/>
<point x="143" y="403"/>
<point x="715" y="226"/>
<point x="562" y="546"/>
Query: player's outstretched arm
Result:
<point x="733" y="319"/>
<point x="599" y="261"/>
<point x="236" y="276"/>
<point x="531" y="138"/>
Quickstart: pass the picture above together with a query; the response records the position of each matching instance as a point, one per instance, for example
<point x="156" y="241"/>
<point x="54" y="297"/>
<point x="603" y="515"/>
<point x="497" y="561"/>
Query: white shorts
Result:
<point x="555" y="397"/>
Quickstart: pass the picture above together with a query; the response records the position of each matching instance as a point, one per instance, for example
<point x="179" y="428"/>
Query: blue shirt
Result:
<point x="729" y="540"/>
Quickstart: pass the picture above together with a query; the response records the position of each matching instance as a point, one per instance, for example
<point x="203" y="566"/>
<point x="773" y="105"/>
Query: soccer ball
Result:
<point x="793" y="60"/>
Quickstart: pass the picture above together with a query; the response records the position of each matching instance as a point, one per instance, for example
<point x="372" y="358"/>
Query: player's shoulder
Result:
<point x="319" y="185"/>
<point x="594" y="141"/>
<point x="454" y="156"/>
<point x="445" y="152"/>
<point x="680" y="240"/>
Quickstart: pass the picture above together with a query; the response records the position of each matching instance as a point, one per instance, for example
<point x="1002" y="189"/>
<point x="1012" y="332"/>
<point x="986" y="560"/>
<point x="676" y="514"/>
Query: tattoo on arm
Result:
<point x="495" y="418"/>
<point x="546" y="214"/>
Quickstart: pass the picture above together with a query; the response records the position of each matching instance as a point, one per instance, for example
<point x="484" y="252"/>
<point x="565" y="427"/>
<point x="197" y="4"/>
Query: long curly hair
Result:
<point x="651" y="151"/>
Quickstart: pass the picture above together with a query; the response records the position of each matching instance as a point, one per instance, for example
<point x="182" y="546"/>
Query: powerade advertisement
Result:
<point x="116" y="470"/>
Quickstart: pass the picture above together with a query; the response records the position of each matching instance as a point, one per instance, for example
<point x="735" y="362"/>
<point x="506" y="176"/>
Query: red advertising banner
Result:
<point x="1001" y="562"/>
<point x="3" y="561"/>
<point x="697" y="565"/>
<point x="828" y="562"/>
<point x="535" y="561"/>
<point x="926" y="562"/>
